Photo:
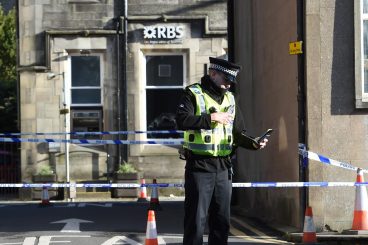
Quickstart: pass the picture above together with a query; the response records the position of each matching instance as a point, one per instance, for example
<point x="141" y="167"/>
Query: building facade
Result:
<point x="317" y="98"/>
<point x="104" y="65"/>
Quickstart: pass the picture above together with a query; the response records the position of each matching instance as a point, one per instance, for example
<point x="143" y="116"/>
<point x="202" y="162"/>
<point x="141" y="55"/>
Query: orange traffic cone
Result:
<point x="309" y="230"/>
<point x="154" y="202"/>
<point x="45" y="198"/>
<point x="151" y="232"/>
<point x="143" y="194"/>
<point x="360" y="221"/>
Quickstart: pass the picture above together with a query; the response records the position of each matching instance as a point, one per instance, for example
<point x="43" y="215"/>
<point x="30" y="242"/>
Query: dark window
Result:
<point x="160" y="65"/>
<point x="165" y="74"/>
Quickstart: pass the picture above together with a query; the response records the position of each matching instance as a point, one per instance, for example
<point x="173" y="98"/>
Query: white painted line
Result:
<point x="105" y="205"/>
<point x="119" y="239"/>
<point x="251" y="228"/>
<point x="29" y="241"/>
<point x="160" y="240"/>
<point x="72" y="225"/>
<point x="242" y="235"/>
<point x="46" y="240"/>
<point x="82" y="205"/>
<point x="260" y="234"/>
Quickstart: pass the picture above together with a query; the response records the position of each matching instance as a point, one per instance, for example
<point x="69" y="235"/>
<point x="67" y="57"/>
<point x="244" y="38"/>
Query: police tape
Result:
<point x="181" y="185"/>
<point x="98" y="133"/>
<point x="323" y="159"/>
<point x="99" y="142"/>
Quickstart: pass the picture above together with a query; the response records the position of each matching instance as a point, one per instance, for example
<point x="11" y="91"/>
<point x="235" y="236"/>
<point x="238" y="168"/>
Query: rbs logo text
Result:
<point x="170" y="32"/>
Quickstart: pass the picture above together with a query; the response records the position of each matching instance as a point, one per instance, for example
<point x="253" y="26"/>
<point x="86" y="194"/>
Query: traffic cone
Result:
<point x="360" y="221"/>
<point x="309" y="230"/>
<point x="45" y="198"/>
<point x="143" y="194"/>
<point x="154" y="202"/>
<point x="151" y="232"/>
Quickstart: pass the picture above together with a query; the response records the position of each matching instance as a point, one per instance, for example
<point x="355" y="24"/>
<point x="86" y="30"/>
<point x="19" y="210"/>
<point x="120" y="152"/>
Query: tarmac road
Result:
<point x="106" y="223"/>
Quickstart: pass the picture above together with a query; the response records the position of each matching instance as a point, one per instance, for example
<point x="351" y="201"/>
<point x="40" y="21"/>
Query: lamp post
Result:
<point x="65" y="111"/>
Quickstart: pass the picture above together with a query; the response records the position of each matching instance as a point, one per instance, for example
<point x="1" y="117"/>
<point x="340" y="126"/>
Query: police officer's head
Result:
<point x="223" y="73"/>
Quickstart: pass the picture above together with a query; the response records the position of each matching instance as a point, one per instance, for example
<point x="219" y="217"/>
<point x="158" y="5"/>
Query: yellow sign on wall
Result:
<point x="296" y="47"/>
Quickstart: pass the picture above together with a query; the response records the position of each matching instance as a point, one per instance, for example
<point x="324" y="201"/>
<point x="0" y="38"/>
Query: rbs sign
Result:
<point x="163" y="32"/>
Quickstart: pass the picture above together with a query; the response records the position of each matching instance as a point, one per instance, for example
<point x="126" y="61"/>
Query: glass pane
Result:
<point x="85" y="71"/>
<point x="365" y="39"/>
<point x="86" y="96"/>
<point x="161" y="108"/>
<point x="365" y="6"/>
<point x="365" y="80"/>
<point x="164" y="70"/>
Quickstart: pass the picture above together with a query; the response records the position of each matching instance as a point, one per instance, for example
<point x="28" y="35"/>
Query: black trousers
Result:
<point x="207" y="193"/>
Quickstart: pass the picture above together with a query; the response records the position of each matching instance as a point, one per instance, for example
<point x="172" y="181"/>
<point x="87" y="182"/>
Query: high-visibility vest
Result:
<point x="218" y="140"/>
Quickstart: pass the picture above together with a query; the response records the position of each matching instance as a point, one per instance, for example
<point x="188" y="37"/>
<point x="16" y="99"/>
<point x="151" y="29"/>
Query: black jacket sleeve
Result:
<point x="245" y="141"/>
<point x="238" y="128"/>
<point x="186" y="117"/>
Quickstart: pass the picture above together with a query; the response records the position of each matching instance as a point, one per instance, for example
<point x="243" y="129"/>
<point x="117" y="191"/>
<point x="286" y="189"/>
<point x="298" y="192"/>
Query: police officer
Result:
<point x="206" y="113"/>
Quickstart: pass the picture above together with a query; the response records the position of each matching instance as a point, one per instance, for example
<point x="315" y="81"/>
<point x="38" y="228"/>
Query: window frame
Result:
<point x="361" y="98"/>
<point x="84" y="1"/>
<point x="101" y="56"/>
<point x="143" y="123"/>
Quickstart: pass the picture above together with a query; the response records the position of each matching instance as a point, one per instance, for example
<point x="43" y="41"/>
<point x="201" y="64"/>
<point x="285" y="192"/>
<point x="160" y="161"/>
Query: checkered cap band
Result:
<point x="223" y="69"/>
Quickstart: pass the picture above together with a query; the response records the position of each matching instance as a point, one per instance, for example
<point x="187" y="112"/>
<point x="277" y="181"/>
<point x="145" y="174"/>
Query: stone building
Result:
<point x="318" y="98"/>
<point x="110" y="65"/>
<point x="122" y="68"/>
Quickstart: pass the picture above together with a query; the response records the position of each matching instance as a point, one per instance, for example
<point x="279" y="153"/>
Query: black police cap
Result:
<point x="229" y="69"/>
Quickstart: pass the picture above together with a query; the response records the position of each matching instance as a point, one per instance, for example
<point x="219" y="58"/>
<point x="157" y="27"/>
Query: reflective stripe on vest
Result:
<point x="201" y="103"/>
<point x="218" y="140"/>
<point x="208" y="147"/>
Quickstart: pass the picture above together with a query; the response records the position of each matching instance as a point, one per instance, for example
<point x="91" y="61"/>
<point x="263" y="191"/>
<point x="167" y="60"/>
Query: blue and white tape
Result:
<point x="323" y="159"/>
<point x="181" y="185"/>
<point x="98" y="133"/>
<point x="100" y="142"/>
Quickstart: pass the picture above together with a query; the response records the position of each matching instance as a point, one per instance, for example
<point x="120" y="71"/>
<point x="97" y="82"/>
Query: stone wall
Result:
<point x="336" y="129"/>
<point x="66" y="22"/>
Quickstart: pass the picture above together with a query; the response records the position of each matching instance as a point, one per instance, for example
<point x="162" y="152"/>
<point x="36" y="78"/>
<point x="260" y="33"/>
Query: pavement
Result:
<point x="293" y="235"/>
<point x="290" y="234"/>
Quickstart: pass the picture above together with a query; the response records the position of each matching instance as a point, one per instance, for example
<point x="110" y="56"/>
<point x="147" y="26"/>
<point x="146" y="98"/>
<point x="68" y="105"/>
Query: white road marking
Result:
<point x="118" y="239"/>
<point x="46" y="240"/>
<point x="69" y="205"/>
<point x="72" y="225"/>
<point x="161" y="240"/>
<point x="83" y="204"/>
<point x="27" y="241"/>
<point x="265" y="238"/>
<point x="125" y="240"/>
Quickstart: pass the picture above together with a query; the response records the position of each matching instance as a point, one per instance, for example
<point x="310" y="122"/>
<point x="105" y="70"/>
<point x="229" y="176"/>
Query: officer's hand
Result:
<point x="222" y="117"/>
<point x="261" y="144"/>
